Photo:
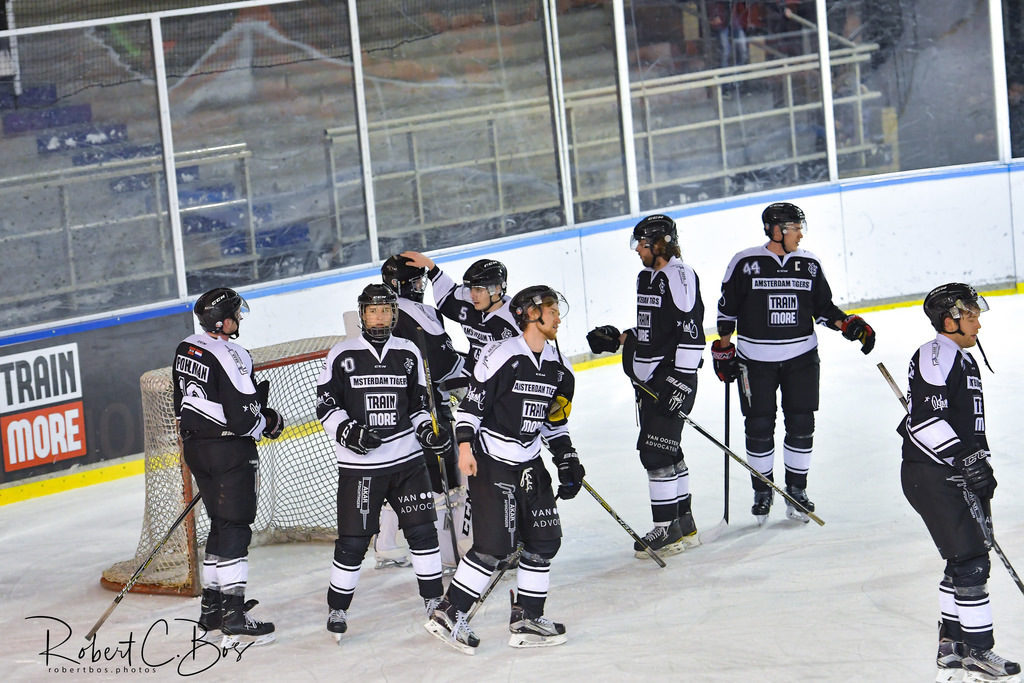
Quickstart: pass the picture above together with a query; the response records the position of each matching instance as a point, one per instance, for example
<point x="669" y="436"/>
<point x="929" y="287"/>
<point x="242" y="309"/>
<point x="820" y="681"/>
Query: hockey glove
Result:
<point x="855" y="328"/>
<point x="570" y="474"/>
<point x="356" y="437"/>
<point x="676" y="394"/>
<point x="604" y="339"/>
<point x="275" y="423"/>
<point x="724" y="358"/>
<point x="977" y="473"/>
<point x="431" y="441"/>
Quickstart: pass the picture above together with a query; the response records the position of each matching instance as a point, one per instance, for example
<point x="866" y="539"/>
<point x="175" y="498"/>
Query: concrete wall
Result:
<point x="888" y="238"/>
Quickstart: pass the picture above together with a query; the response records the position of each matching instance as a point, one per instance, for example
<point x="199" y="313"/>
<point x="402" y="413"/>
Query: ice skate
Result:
<point x="792" y="511"/>
<point x="985" y="665"/>
<point x="948" y="662"/>
<point x="689" y="530"/>
<point x="664" y="540"/>
<point x="240" y="628"/>
<point x="429" y="605"/>
<point x="762" y="506"/>
<point x="337" y="623"/>
<point x="452" y="628"/>
<point x="211" y="616"/>
<point x="532" y="631"/>
<point x="387" y="563"/>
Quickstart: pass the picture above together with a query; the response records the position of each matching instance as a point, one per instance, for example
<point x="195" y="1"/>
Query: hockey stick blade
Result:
<point x="138" y="572"/>
<point x="622" y="523"/>
<point x="977" y="512"/>
<point x="711" y="437"/>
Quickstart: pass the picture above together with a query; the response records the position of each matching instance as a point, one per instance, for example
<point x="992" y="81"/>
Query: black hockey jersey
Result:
<point x="445" y="362"/>
<point x="509" y="397"/>
<point x="480" y="328"/>
<point x="772" y="303"/>
<point x="381" y="390"/>
<point x="213" y="389"/>
<point x="669" y="320"/>
<point x="947" y="409"/>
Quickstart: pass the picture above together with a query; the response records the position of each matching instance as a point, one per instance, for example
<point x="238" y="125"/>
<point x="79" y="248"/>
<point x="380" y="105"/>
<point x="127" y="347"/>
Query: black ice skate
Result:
<point x="533" y="631"/>
<point x="762" y="506"/>
<point x="211" y="616"/>
<point x="240" y="628"/>
<point x="948" y="661"/>
<point x="985" y="665"/>
<point x="337" y="623"/>
<point x="800" y="496"/>
<point x="664" y="540"/>
<point x="452" y="628"/>
<point x="689" y="530"/>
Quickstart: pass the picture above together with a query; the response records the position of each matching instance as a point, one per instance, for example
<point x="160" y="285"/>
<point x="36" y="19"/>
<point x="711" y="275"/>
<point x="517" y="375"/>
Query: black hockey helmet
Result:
<point x="377" y="295"/>
<point x="217" y="305"/>
<point x="780" y="213"/>
<point x="949" y="300"/>
<point x="535" y="297"/>
<point x="407" y="280"/>
<point x="487" y="273"/>
<point x="652" y="228"/>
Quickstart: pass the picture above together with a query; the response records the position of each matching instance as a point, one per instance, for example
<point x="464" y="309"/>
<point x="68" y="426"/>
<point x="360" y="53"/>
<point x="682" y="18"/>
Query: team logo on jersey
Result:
<point x="781" y="283"/>
<point x="409" y="364"/>
<point x="937" y="402"/>
<point x="325" y="399"/>
<point x="475" y="396"/>
<point x="649" y="300"/>
<point x="782" y="310"/>
<point x="381" y="409"/>
<point x="661" y="287"/>
<point x="534" y="415"/>
<point x="507" y="333"/>
<point x="812" y="268"/>
<point x="535" y="388"/>
<point x="378" y="381"/>
<point x="690" y="328"/>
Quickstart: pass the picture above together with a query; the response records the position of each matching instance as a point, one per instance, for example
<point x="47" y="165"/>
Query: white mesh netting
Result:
<point x="297" y="472"/>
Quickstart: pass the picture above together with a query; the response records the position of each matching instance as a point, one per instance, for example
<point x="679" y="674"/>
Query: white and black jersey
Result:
<point x="772" y="302"/>
<point x="480" y="328"/>
<point x="669" y="320"/>
<point x="214" y="391"/>
<point x="380" y="387"/>
<point x="947" y="409"/>
<point x="509" y="397"/>
<point x="445" y="362"/>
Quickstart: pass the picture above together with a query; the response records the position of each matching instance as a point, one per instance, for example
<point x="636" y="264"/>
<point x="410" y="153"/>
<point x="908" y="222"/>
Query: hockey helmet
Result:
<point x="652" y="228"/>
<point x="407" y="280"/>
<point x="535" y="297"/>
<point x="489" y="274"/>
<point x="217" y="305"/>
<point x="950" y="301"/>
<point x="781" y="213"/>
<point x="377" y="295"/>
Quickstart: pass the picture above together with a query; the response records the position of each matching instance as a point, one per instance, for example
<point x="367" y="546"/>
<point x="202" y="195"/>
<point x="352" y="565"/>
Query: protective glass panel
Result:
<point x="1013" y="36"/>
<point x="459" y="114"/>
<point x="726" y="98"/>
<point x="912" y="84"/>
<point x="252" y="92"/>
<point x="84" y="227"/>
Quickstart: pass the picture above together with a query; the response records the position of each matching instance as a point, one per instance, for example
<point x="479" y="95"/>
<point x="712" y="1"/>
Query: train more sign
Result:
<point x="42" y="419"/>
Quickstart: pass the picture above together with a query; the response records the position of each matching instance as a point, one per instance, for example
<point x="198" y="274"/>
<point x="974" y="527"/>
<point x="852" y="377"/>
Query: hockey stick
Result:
<point x="711" y="437"/>
<point x="502" y="567"/>
<point x="622" y="523"/>
<point x="973" y="503"/>
<point x="138" y="572"/>
<point x="449" y="519"/>
<point x="725" y="514"/>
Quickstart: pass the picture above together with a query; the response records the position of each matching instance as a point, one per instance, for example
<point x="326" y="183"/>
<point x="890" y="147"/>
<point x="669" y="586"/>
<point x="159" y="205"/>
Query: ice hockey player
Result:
<point x="221" y="413"/>
<point x="771" y="297"/>
<point x="479" y="304"/>
<point x="663" y="351"/>
<point x="421" y="323"/>
<point x="947" y="478"/>
<point x="520" y="396"/>
<point x="371" y="401"/>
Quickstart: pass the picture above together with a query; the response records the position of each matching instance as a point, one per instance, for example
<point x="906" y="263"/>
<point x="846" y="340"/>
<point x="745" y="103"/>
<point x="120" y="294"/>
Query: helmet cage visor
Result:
<point x="557" y="302"/>
<point x="378" y="331"/>
<point x="974" y="305"/>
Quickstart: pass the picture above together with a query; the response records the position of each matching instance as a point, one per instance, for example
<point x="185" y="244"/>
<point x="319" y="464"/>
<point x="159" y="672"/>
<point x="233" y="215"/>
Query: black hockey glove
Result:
<point x="604" y="339"/>
<point x="275" y="423"/>
<point x="570" y="474"/>
<point x="724" y="359"/>
<point x="431" y="441"/>
<point x="977" y="472"/>
<point x="855" y="328"/>
<point x="263" y="392"/>
<point x="356" y="437"/>
<point x="676" y="394"/>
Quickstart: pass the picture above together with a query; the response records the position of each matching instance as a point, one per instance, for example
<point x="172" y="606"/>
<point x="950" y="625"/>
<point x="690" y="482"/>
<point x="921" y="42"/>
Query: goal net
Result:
<point x="297" y="473"/>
